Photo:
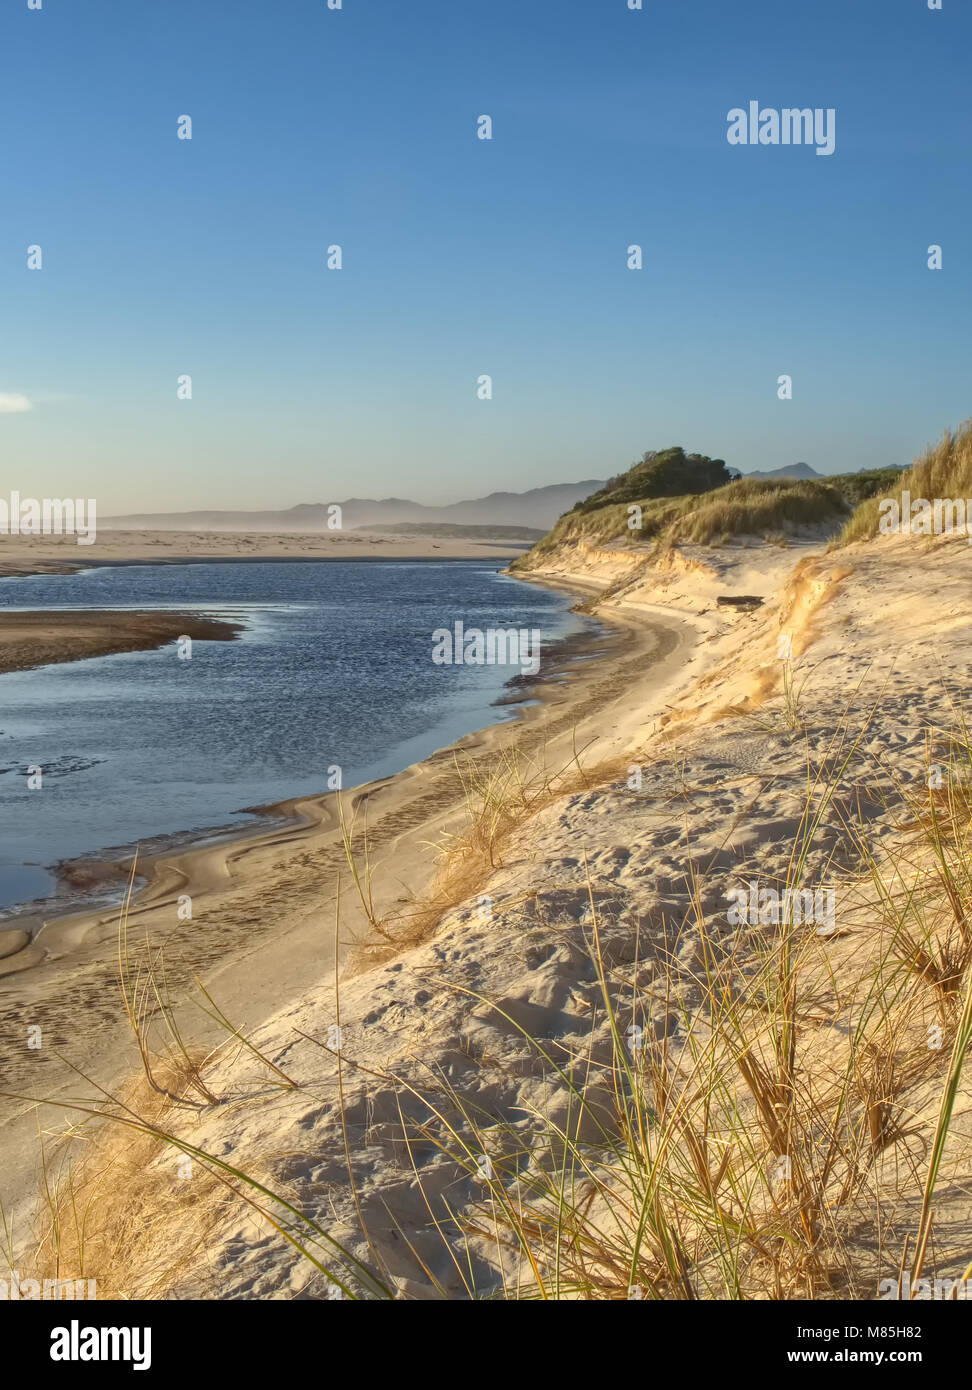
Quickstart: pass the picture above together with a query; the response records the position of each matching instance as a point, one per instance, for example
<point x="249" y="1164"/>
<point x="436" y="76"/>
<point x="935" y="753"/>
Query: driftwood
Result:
<point x="742" y="601"/>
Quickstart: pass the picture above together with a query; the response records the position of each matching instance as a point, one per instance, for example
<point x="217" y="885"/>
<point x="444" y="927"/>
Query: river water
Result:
<point x="334" y="669"/>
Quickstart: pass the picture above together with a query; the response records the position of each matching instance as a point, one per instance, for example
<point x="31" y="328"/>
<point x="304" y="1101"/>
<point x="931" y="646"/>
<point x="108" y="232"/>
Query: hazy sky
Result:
<point x="464" y="257"/>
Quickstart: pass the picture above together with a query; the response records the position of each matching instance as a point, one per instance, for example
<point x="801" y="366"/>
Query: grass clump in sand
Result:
<point x="740" y="1156"/>
<point x="791" y="1101"/>
<point x="942" y="471"/>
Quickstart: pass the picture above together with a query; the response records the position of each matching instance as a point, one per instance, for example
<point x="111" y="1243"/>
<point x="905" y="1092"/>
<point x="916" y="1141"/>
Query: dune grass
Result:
<point x="695" y="1186"/>
<point x="764" y="507"/>
<point x="942" y="471"/>
<point x="731" y="1162"/>
<point x="756" y="507"/>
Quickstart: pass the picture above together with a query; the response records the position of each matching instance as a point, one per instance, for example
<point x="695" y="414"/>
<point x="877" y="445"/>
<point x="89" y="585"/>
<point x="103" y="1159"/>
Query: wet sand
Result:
<point x="43" y="638"/>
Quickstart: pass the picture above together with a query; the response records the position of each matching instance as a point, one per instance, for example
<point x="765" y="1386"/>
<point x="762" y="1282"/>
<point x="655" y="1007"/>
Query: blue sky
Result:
<point x="464" y="257"/>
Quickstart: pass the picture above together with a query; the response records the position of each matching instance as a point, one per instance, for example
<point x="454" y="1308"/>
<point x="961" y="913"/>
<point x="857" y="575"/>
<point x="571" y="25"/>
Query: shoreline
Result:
<point x="34" y="642"/>
<point x="112" y="865"/>
<point x="38" y="569"/>
<point x="262" y="923"/>
<point x="529" y="701"/>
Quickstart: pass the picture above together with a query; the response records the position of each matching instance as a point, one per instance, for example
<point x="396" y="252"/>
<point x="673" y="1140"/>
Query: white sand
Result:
<point x="883" y="629"/>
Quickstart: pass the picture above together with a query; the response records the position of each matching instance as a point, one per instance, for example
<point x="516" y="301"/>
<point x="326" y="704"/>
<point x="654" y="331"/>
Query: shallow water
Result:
<point x="333" y="669"/>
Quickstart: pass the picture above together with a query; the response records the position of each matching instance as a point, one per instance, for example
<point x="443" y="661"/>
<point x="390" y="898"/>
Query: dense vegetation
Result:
<point x="660" y="473"/>
<point x="858" y="487"/>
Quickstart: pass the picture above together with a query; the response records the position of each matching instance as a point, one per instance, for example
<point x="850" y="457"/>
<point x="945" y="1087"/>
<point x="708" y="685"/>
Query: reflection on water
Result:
<point x="334" y="669"/>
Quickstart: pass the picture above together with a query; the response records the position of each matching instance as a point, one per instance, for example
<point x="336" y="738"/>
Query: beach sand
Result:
<point x="689" y="699"/>
<point x="21" y="555"/>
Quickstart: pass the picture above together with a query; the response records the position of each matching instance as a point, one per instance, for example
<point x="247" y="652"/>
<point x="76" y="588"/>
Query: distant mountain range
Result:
<point x="538" y="508"/>
<point x="789" y="470"/>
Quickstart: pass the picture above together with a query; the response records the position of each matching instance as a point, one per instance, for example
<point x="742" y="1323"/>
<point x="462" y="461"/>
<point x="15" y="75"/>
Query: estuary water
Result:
<point x="333" y="669"/>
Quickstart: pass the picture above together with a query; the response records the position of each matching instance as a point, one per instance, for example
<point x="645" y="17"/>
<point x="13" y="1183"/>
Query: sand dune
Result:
<point x="693" y="777"/>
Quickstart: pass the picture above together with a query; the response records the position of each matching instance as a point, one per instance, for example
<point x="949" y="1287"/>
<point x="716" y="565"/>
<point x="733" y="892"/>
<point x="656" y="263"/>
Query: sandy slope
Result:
<point x="880" y="630"/>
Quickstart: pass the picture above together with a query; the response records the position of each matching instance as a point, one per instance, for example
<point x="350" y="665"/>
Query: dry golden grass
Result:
<point x="757" y="507"/>
<point x="499" y="792"/>
<point x="945" y="470"/>
<point x="735" y="1164"/>
<point x="766" y="507"/>
<point x="107" y="1216"/>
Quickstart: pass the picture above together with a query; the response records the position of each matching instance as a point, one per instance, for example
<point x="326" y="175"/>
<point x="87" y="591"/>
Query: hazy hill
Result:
<point x="538" y="508"/>
<point x="789" y="470"/>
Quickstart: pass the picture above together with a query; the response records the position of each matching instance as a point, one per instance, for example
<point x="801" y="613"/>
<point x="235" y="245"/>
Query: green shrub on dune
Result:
<point x="660" y="473"/>
<point x="670" y="497"/>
